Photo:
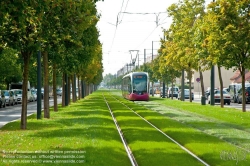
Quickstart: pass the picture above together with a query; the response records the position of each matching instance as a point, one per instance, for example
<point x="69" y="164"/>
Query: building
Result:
<point x="226" y="77"/>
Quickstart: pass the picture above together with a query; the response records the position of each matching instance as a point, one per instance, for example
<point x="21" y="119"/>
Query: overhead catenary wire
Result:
<point x="157" y="22"/>
<point x="116" y="29"/>
<point x="120" y="19"/>
<point x="157" y="15"/>
<point x="124" y="11"/>
<point x="147" y="37"/>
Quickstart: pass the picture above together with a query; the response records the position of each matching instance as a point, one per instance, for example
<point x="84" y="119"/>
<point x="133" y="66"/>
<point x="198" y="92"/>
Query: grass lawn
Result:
<point x="82" y="133"/>
<point x="219" y="136"/>
<point x="148" y="146"/>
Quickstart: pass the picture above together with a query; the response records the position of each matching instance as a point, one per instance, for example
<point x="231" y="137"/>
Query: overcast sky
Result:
<point x="121" y="32"/>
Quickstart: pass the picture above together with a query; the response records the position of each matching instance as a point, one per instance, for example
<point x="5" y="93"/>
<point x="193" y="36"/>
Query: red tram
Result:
<point x="135" y="86"/>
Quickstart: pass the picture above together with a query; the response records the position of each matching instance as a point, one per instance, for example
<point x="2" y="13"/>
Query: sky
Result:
<point x="127" y="25"/>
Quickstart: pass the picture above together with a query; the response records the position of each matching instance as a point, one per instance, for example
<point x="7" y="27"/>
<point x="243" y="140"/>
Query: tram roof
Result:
<point x="135" y="73"/>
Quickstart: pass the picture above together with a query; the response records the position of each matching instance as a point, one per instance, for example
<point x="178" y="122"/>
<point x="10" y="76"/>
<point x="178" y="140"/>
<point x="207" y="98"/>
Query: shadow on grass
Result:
<point x="85" y="155"/>
<point x="88" y="133"/>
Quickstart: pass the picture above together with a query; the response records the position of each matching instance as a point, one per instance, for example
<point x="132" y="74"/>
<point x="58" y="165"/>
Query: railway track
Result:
<point x="129" y="152"/>
<point x="108" y="99"/>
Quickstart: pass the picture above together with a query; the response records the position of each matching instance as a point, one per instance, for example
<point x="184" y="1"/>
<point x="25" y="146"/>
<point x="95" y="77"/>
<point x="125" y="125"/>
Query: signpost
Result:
<point x="198" y="80"/>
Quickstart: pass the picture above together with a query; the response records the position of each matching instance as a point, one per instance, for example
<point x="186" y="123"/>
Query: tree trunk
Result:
<point x="91" y="88"/>
<point x="26" y="59"/>
<point x="153" y="93"/>
<point x="79" y="87"/>
<point x="83" y="88"/>
<point x="222" y="102"/>
<point x="190" y="86"/>
<point x="172" y="90"/>
<point x="69" y="90"/>
<point x="87" y="90"/>
<point x="202" y="84"/>
<point x="243" y="89"/>
<point x="54" y="88"/>
<point x="73" y="88"/>
<point x="63" y="90"/>
<point x="74" y="85"/>
<point x="46" y="85"/>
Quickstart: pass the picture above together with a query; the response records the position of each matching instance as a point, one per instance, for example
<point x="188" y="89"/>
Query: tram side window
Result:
<point x="129" y="85"/>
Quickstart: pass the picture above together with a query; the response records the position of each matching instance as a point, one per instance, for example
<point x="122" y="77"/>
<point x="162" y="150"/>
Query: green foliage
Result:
<point x="10" y="68"/>
<point x="148" y="67"/>
<point x="228" y="38"/>
<point x="65" y="29"/>
<point x="181" y="33"/>
<point x="227" y="41"/>
<point x="112" y="80"/>
<point x="19" y="24"/>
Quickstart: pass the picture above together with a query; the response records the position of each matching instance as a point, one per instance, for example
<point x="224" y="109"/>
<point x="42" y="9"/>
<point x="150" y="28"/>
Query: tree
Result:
<point x="228" y="38"/>
<point x="28" y="25"/>
<point x="10" y="69"/>
<point x="182" y="29"/>
<point x="19" y="29"/>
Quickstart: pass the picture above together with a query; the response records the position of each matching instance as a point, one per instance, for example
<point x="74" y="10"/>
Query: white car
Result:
<point x="34" y="95"/>
<point x="15" y="94"/>
<point x="217" y="97"/>
<point x="30" y="96"/>
<point x="18" y="94"/>
<point x="9" y="97"/>
<point x="186" y="94"/>
<point x="175" y="92"/>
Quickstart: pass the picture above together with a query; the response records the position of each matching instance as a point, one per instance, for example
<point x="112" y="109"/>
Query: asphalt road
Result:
<point x="197" y="98"/>
<point x="12" y="113"/>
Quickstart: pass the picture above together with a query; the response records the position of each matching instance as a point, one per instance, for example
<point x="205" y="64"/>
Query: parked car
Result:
<point x="2" y="99"/>
<point x="19" y="93"/>
<point x="157" y="90"/>
<point x="14" y="91"/>
<point x="9" y="97"/>
<point x="150" y="90"/>
<point x="175" y="91"/>
<point x="217" y="97"/>
<point x="30" y="96"/>
<point x="34" y="93"/>
<point x="240" y="95"/>
<point x="59" y="92"/>
<point x="42" y="93"/>
<point x="166" y="92"/>
<point x="207" y="92"/>
<point x="186" y="94"/>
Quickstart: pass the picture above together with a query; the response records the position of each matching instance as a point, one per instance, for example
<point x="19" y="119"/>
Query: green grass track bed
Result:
<point x="148" y="146"/>
<point x="209" y="135"/>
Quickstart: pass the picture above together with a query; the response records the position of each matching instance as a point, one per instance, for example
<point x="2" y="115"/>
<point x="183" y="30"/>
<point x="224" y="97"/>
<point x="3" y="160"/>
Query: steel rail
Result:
<point x="182" y="147"/>
<point x="125" y="144"/>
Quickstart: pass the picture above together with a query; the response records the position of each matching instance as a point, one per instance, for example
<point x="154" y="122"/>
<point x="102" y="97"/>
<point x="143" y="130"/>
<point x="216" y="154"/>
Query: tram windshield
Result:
<point x="140" y="83"/>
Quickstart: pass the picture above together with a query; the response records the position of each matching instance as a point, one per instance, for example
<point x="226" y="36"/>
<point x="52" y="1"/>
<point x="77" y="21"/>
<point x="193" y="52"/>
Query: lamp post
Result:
<point x="212" y="84"/>
<point x="39" y="107"/>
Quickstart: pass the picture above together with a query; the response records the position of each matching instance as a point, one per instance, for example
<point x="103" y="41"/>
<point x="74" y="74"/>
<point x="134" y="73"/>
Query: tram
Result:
<point x="135" y="86"/>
